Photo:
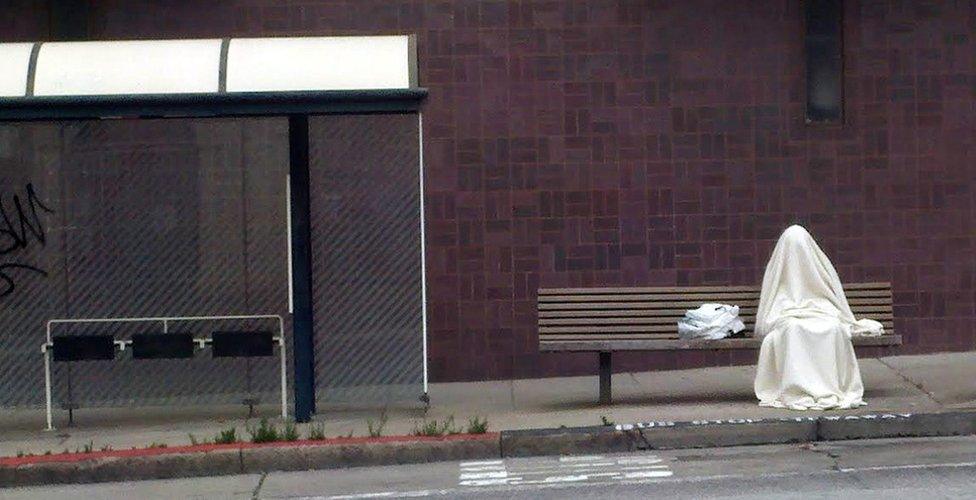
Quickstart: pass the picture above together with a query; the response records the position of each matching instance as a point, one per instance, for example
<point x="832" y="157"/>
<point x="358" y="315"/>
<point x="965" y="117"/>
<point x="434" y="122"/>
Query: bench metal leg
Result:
<point x="605" y="372"/>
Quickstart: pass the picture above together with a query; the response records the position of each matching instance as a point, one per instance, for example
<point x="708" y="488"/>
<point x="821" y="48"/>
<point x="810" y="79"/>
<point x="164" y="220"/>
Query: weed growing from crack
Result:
<point x="290" y="433"/>
<point x="265" y="432"/>
<point x="316" y="432"/>
<point x="435" y="428"/>
<point x="477" y="425"/>
<point x="226" y="436"/>
<point x="376" y="428"/>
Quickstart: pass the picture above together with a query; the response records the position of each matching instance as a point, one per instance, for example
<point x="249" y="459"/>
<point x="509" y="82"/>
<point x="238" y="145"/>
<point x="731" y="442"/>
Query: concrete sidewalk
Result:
<point x="914" y="384"/>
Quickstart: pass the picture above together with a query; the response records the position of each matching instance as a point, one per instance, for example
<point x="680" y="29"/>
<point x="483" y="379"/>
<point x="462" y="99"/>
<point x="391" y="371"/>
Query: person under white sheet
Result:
<point x="807" y="361"/>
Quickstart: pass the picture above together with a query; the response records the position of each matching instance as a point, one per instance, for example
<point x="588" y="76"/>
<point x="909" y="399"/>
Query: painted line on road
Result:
<point x="581" y="458"/>
<point x="489" y="482"/>
<point x="636" y="461"/>
<point x="524" y="485"/>
<point x="382" y="494"/>
<point x="484" y="475"/>
<point x="485" y="468"/>
<point x="556" y="470"/>
<point x="906" y="467"/>
<point x="564" y="469"/>
<point x="649" y="473"/>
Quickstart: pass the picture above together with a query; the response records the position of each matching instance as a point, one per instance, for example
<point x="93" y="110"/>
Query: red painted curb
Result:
<point x="205" y="448"/>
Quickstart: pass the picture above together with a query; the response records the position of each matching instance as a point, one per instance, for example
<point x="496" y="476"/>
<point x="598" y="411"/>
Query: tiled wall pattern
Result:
<point x="653" y="142"/>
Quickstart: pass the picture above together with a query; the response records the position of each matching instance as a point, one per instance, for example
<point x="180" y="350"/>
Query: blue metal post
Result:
<point x="301" y="274"/>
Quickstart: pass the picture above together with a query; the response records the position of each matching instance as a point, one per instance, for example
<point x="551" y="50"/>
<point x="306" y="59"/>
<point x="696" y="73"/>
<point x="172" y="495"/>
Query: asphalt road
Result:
<point x="898" y="468"/>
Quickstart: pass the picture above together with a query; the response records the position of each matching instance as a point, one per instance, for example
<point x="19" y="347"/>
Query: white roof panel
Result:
<point x="209" y="66"/>
<point x="127" y="67"/>
<point x="328" y="63"/>
<point x="14" y="61"/>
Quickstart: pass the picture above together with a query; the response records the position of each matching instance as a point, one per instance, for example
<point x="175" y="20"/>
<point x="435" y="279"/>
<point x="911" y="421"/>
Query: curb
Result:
<point x="658" y="436"/>
<point x="243" y="458"/>
<point x="248" y="458"/>
<point x="662" y="435"/>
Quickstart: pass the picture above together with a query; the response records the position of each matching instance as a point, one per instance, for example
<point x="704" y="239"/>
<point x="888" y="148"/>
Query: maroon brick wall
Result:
<point x="654" y="143"/>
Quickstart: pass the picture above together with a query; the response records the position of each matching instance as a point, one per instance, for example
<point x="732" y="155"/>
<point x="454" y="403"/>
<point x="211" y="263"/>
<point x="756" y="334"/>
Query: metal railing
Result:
<point x="46" y="348"/>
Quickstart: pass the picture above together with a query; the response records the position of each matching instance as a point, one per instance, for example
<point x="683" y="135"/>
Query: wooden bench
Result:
<point x="605" y="320"/>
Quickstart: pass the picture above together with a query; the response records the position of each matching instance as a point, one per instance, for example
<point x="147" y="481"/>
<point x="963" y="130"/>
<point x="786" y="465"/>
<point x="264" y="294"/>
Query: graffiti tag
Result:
<point x="20" y="226"/>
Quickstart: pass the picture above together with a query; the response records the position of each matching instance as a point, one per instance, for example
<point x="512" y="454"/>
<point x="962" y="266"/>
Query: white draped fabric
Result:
<point x="807" y="361"/>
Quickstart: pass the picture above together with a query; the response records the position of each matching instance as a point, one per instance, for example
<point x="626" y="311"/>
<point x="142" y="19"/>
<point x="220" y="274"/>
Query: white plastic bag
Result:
<point x="710" y="322"/>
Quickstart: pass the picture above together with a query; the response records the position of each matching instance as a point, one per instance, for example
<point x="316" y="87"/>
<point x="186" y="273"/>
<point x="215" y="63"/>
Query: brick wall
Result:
<point x="654" y="143"/>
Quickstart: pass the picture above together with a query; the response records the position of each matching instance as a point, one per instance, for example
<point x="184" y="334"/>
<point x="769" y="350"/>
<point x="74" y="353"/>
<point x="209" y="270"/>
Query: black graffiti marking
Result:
<point x="17" y="234"/>
<point x="28" y="222"/>
<point x="11" y="285"/>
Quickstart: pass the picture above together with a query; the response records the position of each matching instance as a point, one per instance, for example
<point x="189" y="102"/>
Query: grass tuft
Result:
<point x="316" y="432"/>
<point x="290" y="433"/>
<point x="477" y="425"/>
<point x="376" y="428"/>
<point x="435" y="428"/>
<point x="226" y="436"/>
<point x="265" y="432"/>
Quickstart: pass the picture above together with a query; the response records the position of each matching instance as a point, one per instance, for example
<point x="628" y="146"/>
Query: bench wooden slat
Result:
<point x="677" y="313"/>
<point x="633" y="305"/>
<point x="710" y="297"/>
<point x="668" y="320"/>
<point x="675" y="344"/>
<point x="600" y="332"/>
<point x="623" y="313"/>
<point x="646" y="297"/>
<point x="882" y="285"/>
<point x="647" y="290"/>
<point x="674" y="304"/>
<point x="567" y="337"/>
<point x="597" y="329"/>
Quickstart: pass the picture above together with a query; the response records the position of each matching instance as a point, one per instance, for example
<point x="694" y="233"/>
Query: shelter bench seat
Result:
<point x="609" y="319"/>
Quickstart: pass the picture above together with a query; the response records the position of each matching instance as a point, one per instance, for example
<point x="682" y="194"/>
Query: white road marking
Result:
<point x="485" y="475"/>
<point x="566" y="469"/>
<point x="561" y="479"/>
<point x="382" y="494"/>
<point x="648" y="473"/>
<point x="588" y="464"/>
<point x="490" y="482"/>
<point x="908" y="466"/>
<point x="583" y="470"/>
<point x="645" y="467"/>
<point x="635" y="461"/>
<point x="520" y="485"/>
<point x="581" y="458"/>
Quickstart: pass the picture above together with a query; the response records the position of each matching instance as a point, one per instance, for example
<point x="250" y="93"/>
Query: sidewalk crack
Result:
<point x="647" y="444"/>
<point x="511" y="393"/>
<point x="833" y="455"/>
<point x="912" y="382"/>
<point x="257" y="489"/>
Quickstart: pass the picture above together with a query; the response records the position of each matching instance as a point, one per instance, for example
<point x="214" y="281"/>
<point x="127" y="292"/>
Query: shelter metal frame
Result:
<point x="297" y="107"/>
